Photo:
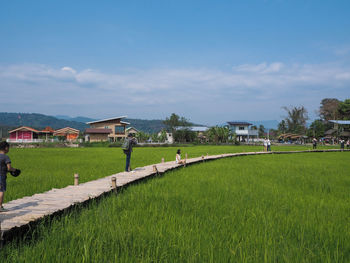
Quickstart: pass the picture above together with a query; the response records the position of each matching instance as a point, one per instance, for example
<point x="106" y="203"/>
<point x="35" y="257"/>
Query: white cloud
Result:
<point x="154" y="93"/>
<point x="69" y="69"/>
<point x="262" y="68"/>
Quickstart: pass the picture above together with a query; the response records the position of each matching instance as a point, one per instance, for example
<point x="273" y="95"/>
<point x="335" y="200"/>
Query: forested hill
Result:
<point x="37" y="121"/>
<point x="149" y="126"/>
<point x="40" y="121"/>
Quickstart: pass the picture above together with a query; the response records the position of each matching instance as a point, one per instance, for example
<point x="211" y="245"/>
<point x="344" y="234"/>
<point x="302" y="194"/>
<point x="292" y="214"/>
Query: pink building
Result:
<point x="27" y="134"/>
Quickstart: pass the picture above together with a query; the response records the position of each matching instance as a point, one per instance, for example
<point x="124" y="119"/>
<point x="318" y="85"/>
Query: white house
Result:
<point x="242" y="130"/>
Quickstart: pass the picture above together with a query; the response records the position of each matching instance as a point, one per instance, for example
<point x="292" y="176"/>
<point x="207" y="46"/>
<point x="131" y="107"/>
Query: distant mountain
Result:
<point x="78" y="118"/>
<point x="37" y="121"/>
<point x="269" y="124"/>
<point x="148" y="126"/>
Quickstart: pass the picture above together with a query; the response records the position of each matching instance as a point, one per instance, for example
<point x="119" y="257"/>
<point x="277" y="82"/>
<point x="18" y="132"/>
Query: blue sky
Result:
<point x="210" y="61"/>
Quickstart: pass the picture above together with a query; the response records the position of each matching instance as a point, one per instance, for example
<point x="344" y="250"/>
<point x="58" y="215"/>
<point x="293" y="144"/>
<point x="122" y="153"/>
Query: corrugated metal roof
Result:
<point x="193" y="128"/>
<point x="340" y="122"/>
<point x="236" y="123"/>
<point x="110" y="119"/>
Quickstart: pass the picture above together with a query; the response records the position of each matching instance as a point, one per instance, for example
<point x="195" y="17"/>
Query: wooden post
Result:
<point x="207" y="155"/>
<point x="114" y="184"/>
<point x="203" y="158"/>
<point x="163" y="160"/>
<point x="186" y="156"/>
<point x="76" y="179"/>
<point x="1" y="238"/>
<point x="155" y="169"/>
<point x="185" y="163"/>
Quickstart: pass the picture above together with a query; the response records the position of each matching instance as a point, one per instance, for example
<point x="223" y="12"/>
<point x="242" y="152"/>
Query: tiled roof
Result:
<point x="25" y="128"/>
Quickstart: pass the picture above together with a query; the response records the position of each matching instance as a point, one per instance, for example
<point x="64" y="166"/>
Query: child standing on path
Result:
<point x="5" y="167"/>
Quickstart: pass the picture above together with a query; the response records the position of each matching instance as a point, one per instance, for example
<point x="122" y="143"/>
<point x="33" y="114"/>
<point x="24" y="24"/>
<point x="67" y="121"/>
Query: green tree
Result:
<point x="261" y="131"/>
<point x="162" y="137"/>
<point x="344" y="109"/>
<point x="317" y="129"/>
<point x="184" y="135"/>
<point x="296" y="119"/>
<point x="219" y="134"/>
<point x="142" y="136"/>
<point x="176" y="121"/>
<point x="154" y="137"/>
<point x="282" y="127"/>
<point x="329" y="109"/>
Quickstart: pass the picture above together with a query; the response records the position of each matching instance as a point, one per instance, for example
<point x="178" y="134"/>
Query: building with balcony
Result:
<point x="116" y="126"/>
<point x="243" y="130"/>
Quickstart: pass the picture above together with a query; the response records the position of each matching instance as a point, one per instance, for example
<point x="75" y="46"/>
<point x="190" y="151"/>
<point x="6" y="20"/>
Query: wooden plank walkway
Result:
<point x="25" y="211"/>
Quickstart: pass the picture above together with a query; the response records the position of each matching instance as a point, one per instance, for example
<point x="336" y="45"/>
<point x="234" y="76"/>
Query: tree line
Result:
<point x="294" y="121"/>
<point x="297" y="116"/>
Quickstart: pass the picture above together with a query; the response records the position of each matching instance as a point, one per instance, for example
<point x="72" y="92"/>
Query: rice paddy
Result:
<point x="275" y="208"/>
<point x="47" y="168"/>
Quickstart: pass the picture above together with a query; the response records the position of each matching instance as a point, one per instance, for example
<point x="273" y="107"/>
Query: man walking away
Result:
<point x="314" y="143"/>
<point x="127" y="148"/>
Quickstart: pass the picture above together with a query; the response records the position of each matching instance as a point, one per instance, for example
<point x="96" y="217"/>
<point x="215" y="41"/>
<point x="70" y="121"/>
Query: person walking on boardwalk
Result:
<point x="342" y="143"/>
<point x="348" y="144"/>
<point x="5" y="167"/>
<point x="314" y="143"/>
<point x="127" y="148"/>
<point x="265" y="145"/>
<point x="268" y="145"/>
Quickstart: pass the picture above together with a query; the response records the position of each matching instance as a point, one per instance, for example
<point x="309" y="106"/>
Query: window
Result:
<point x="241" y="128"/>
<point x="119" y="129"/>
<point x="106" y="127"/>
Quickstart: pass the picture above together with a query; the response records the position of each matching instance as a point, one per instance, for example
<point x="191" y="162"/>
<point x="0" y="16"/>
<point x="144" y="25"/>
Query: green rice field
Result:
<point x="47" y="168"/>
<point x="270" y="208"/>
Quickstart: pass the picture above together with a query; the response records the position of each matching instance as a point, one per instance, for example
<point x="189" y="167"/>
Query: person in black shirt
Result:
<point x="128" y="151"/>
<point x="5" y="167"/>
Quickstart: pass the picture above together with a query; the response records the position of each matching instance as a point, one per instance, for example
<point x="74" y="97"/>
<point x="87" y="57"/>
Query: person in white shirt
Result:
<point x="178" y="157"/>
<point x="268" y="145"/>
<point x="265" y="145"/>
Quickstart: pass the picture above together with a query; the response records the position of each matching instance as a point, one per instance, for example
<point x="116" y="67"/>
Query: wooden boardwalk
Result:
<point x="26" y="211"/>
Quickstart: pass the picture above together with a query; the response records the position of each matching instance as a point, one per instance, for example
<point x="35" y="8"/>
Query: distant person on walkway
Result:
<point x="127" y="148"/>
<point x="314" y="143"/>
<point x="342" y="143"/>
<point x="268" y="145"/>
<point x="5" y="167"/>
<point x="265" y="145"/>
<point x="178" y="157"/>
<point x="348" y="144"/>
